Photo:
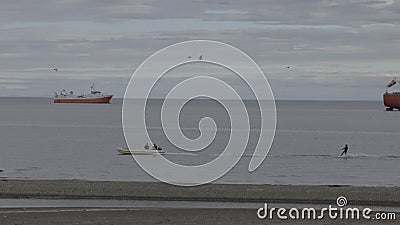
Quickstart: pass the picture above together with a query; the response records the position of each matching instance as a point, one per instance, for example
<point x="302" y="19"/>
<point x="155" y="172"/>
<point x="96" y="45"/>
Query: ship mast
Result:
<point x="391" y="84"/>
<point x="92" y="88"/>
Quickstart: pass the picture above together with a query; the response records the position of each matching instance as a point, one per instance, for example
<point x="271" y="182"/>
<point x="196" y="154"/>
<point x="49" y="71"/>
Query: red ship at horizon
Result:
<point x="391" y="100"/>
<point x="93" y="97"/>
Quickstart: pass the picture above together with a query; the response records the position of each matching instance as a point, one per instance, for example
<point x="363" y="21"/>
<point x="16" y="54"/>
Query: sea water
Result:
<point x="42" y="140"/>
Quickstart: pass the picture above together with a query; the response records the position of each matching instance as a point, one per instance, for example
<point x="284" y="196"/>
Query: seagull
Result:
<point x="189" y="57"/>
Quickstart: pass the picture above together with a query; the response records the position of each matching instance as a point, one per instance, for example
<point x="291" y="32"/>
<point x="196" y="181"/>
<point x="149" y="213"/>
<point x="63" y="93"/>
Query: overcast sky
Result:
<point x="336" y="49"/>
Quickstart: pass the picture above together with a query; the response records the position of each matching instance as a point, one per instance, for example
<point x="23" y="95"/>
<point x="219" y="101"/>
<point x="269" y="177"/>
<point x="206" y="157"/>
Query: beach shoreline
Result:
<point x="84" y="190"/>
<point x="156" y="216"/>
<point x="125" y="190"/>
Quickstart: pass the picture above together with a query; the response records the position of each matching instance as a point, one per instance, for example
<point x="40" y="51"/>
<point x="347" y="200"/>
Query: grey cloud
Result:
<point x="338" y="12"/>
<point x="328" y="44"/>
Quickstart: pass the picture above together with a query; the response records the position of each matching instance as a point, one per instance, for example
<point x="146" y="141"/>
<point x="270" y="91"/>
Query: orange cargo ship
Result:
<point x="391" y="100"/>
<point x="93" y="97"/>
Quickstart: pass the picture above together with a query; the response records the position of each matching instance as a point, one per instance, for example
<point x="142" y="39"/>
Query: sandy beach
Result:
<point x="311" y="194"/>
<point x="240" y="193"/>
<point x="154" y="216"/>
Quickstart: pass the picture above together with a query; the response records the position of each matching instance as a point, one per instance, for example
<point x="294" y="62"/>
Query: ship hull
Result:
<point x="105" y="99"/>
<point x="391" y="100"/>
<point x="125" y="151"/>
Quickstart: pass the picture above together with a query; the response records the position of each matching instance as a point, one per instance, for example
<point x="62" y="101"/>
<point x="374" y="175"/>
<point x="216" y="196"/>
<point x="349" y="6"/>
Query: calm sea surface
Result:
<point x="42" y="140"/>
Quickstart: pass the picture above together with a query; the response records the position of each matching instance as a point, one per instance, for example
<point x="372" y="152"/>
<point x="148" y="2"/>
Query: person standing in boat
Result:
<point x="345" y="148"/>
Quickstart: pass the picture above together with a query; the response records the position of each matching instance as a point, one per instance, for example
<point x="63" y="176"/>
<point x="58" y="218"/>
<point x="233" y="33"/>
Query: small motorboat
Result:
<point x="126" y="151"/>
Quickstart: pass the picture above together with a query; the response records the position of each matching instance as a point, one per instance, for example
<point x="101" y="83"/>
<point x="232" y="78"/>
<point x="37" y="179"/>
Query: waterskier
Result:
<point x="345" y="148"/>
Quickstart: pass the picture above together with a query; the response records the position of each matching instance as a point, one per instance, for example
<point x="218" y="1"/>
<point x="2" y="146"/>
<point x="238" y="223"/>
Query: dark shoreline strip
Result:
<point x="125" y="190"/>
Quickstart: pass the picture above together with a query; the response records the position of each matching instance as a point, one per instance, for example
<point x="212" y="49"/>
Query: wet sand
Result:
<point x="79" y="189"/>
<point x="154" y="216"/>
